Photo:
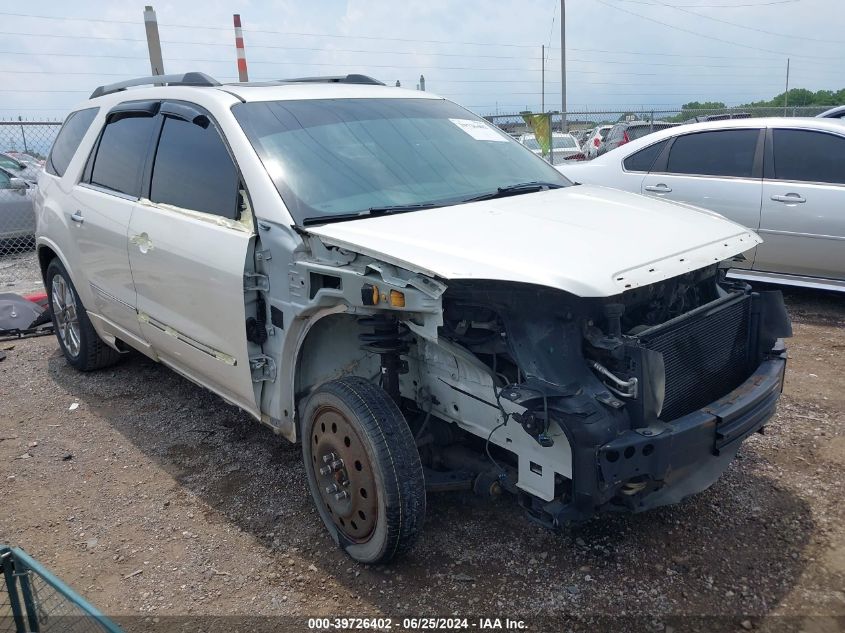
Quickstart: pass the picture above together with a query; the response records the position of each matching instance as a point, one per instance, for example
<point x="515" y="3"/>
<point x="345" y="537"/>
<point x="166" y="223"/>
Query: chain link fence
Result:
<point x="33" y="600"/>
<point x="23" y="149"/>
<point x="584" y="120"/>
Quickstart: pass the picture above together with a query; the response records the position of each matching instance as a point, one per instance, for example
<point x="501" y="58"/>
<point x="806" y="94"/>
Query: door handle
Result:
<point x="658" y="188"/>
<point x="143" y="242"/>
<point x="790" y="198"/>
<point x="77" y="217"/>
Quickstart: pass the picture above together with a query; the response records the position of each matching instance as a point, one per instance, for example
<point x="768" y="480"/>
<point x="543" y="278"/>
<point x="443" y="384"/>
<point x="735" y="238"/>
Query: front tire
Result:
<point x="80" y="344"/>
<point x="363" y="469"/>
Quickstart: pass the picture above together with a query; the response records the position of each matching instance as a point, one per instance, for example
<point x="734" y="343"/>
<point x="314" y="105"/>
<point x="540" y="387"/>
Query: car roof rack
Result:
<point x="185" y="79"/>
<point x="341" y="79"/>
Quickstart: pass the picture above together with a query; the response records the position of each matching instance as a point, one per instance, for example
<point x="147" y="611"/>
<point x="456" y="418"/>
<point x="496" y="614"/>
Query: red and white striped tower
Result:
<point x="239" y="45"/>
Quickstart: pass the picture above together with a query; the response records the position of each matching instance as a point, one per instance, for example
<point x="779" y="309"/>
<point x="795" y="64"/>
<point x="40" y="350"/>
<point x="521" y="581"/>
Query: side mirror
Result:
<point x="18" y="183"/>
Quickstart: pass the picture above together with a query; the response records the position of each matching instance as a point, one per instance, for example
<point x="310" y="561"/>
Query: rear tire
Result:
<point x="370" y="492"/>
<point x="79" y="342"/>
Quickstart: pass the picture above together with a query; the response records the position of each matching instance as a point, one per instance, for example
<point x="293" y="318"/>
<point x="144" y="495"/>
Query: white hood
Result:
<point x="589" y="241"/>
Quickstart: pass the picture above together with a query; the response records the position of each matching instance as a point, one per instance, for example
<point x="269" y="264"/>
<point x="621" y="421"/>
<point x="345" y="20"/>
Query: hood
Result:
<point x="586" y="240"/>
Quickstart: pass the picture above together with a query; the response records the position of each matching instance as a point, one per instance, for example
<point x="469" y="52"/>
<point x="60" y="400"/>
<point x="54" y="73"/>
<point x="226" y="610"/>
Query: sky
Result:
<point x="621" y="54"/>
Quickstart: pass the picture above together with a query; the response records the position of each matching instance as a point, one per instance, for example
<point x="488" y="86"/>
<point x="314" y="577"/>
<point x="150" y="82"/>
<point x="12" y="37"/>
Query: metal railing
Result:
<point x="33" y="600"/>
<point x="24" y="146"/>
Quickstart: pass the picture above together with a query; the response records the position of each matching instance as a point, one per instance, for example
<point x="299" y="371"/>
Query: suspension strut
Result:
<point x="388" y="339"/>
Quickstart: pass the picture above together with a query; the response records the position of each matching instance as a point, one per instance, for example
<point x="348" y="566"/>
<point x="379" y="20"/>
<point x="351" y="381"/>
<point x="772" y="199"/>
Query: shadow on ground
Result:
<point x="735" y="549"/>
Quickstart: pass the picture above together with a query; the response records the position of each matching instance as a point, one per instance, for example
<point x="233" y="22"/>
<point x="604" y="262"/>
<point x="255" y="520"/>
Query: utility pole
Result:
<point x="153" y="41"/>
<point x="23" y="135"/>
<point x="786" y="92"/>
<point x="239" y="46"/>
<point x="542" y="77"/>
<point x="563" y="125"/>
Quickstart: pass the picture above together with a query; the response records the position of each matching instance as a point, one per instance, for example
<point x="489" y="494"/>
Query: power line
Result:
<point x="252" y="46"/>
<point x="748" y="28"/>
<point x="247" y="30"/>
<point x="715" y="6"/>
<point x="709" y="37"/>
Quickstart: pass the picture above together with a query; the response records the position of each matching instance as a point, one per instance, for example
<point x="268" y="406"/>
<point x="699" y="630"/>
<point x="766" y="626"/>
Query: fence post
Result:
<point x="8" y="562"/>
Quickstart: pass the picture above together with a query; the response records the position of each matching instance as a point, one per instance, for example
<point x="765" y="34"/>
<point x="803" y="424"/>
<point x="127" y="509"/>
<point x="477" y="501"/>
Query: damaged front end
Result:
<point x="642" y="398"/>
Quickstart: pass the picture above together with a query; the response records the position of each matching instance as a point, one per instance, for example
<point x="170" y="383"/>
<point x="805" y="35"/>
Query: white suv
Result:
<point x="419" y="300"/>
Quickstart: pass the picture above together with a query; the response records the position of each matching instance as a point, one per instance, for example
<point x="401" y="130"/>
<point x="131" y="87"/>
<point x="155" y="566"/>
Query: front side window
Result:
<point x="193" y="169"/>
<point x="331" y="157"/>
<point x="5" y="180"/>
<point x="644" y="159"/>
<point x="809" y="156"/>
<point x="718" y="153"/>
<point x="68" y="140"/>
<point x="122" y="153"/>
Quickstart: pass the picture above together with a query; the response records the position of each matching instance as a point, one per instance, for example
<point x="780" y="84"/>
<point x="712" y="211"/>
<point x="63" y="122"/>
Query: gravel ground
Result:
<point x="19" y="272"/>
<point x="155" y="499"/>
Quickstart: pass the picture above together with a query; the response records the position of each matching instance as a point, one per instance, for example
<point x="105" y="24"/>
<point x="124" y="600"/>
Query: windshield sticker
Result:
<point x="479" y="131"/>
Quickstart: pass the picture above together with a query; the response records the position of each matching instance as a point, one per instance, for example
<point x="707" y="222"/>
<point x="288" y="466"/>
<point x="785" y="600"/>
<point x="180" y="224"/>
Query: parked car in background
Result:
<point x="26" y="158"/>
<point x="725" y="116"/>
<point x="17" y="216"/>
<point x="595" y="138"/>
<point x="566" y="147"/>
<point x="782" y="177"/>
<point x="19" y="168"/>
<point x="834" y="113"/>
<point x="396" y="284"/>
<point x="627" y="131"/>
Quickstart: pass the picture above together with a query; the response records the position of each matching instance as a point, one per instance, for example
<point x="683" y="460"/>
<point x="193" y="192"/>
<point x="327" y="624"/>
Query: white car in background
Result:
<point x="594" y="139"/>
<point x="566" y="147"/>
<point x="782" y="177"/>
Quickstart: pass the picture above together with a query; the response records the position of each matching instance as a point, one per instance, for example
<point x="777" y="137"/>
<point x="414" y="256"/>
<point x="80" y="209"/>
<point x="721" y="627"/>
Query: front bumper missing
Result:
<point x="667" y="462"/>
<point x="686" y="456"/>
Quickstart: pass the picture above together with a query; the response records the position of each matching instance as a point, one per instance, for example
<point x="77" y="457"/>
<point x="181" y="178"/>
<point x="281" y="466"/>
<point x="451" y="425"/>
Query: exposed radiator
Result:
<point x="705" y="353"/>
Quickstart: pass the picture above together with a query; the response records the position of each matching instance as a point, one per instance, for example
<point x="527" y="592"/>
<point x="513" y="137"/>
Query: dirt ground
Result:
<point x="160" y="504"/>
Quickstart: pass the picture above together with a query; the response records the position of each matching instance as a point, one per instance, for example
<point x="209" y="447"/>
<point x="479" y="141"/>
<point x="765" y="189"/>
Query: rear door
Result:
<point x="803" y="221"/>
<point x="100" y="208"/>
<point x="720" y="170"/>
<point x="190" y="241"/>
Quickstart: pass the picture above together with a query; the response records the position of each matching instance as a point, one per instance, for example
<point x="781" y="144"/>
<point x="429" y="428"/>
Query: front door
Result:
<point x="189" y="245"/>
<point x="717" y="170"/>
<point x="803" y="221"/>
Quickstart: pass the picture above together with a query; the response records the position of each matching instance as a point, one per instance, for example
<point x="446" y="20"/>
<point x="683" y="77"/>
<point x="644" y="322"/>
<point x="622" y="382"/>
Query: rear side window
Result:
<point x="68" y="140"/>
<point x="603" y="133"/>
<point x="720" y="153"/>
<point x="644" y="159"/>
<point x="809" y="156"/>
<point x="193" y="169"/>
<point x="122" y="153"/>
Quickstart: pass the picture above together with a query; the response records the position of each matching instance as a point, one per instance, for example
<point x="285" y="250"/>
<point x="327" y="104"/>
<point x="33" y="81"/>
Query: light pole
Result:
<point x="563" y="65"/>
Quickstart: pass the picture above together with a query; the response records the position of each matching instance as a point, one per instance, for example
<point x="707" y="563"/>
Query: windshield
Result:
<point x="10" y="163"/>
<point x="331" y="157"/>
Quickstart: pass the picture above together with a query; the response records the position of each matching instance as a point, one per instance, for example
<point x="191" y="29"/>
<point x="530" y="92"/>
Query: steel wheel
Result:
<point x="344" y="474"/>
<point x="363" y="469"/>
<point x="67" y="319"/>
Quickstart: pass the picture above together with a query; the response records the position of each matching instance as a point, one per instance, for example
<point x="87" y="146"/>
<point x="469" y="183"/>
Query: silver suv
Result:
<point x="411" y="294"/>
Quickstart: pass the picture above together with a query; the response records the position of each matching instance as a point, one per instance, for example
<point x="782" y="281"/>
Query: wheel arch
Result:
<point x="326" y="347"/>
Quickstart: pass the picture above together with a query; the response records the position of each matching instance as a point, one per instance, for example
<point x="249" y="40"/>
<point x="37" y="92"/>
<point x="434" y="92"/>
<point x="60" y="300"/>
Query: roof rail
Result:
<point x="342" y="79"/>
<point x="186" y="79"/>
